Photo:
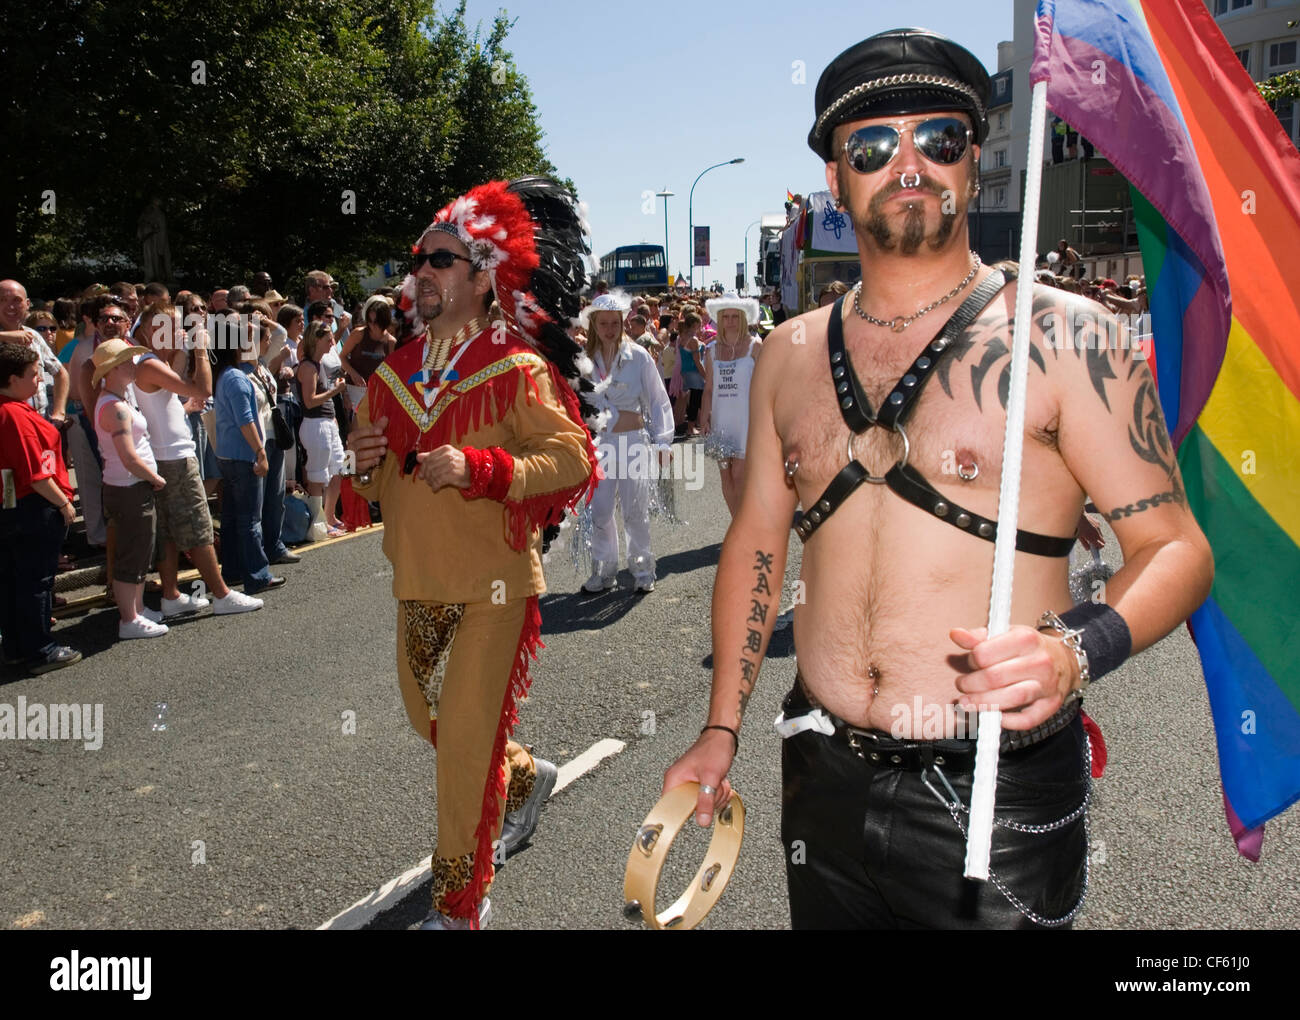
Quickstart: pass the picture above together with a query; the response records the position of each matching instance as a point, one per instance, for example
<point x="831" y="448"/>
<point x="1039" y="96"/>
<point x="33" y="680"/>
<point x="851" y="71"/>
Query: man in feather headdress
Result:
<point x="471" y="438"/>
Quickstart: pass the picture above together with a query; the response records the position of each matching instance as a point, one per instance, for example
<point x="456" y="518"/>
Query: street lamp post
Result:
<point x="690" y="212"/>
<point x="746" y="273"/>
<point x="666" y="195"/>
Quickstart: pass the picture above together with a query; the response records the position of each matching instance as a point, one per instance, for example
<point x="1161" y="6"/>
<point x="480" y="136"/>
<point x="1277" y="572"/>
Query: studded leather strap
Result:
<point x="906" y="481"/>
<point x="902" y="479"/>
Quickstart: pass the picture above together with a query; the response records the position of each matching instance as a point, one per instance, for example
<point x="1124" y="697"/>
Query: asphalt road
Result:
<point x="229" y="792"/>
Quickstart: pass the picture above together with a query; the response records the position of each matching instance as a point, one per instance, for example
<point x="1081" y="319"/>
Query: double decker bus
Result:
<point x="635" y="267"/>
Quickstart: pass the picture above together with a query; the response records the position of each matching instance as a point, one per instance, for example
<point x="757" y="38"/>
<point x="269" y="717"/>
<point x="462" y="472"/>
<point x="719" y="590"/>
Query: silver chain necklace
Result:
<point x="898" y="323"/>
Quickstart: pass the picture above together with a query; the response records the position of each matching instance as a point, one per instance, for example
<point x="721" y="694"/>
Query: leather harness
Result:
<point x="903" y="479"/>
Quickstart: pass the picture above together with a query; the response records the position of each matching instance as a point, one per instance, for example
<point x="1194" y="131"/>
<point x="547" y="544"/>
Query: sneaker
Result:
<point x="646" y="582"/>
<point x="186" y="605"/>
<point x="286" y="557"/>
<point x="140" y="627"/>
<point x="441" y="922"/>
<point x="57" y="658"/>
<point x="235" y="602"/>
<point x="152" y="614"/>
<point x="599" y="582"/>
<point x="519" y="825"/>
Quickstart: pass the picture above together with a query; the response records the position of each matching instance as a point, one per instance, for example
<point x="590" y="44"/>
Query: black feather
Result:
<point x="561" y="275"/>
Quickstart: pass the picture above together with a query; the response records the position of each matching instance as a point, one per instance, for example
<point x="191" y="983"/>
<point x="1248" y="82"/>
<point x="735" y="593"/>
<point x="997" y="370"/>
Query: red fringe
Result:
<point x="483" y="406"/>
<point x="464" y="903"/>
<point x="525" y="516"/>
<point x="356" y="511"/>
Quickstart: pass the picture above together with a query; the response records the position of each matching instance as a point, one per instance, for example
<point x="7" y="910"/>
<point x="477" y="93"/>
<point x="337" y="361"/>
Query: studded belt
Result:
<point x="956" y="755"/>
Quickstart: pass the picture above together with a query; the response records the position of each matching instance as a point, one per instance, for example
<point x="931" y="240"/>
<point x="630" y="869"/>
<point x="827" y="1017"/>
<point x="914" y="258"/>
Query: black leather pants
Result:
<point x="872" y="847"/>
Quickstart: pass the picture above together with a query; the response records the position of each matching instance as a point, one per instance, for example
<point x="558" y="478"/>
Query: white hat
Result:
<point x="614" y="301"/>
<point x="748" y="307"/>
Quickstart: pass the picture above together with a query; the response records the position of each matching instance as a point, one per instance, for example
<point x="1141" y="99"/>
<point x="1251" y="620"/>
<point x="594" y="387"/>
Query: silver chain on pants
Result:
<point x="956" y="808"/>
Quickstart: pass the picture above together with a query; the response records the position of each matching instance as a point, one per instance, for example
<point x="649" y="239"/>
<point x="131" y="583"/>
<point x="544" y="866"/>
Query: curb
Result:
<point x="89" y="602"/>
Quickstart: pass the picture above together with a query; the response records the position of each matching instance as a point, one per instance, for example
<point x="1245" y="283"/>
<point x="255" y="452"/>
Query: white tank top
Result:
<point x="169" y="428"/>
<point x="729" y="416"/>
<point x="115" y="472"/>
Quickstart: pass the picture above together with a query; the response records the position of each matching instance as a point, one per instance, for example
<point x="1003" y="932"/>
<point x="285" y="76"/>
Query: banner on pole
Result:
<point x="701" y="246"/>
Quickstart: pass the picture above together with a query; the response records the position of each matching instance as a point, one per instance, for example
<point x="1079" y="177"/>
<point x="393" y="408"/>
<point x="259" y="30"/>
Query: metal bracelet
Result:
<point x="1073" y="640"/>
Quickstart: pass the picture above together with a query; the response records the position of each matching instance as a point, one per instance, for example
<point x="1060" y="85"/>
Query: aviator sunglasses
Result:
<point x="440" y="259"/>
<point x="941" y="140"/>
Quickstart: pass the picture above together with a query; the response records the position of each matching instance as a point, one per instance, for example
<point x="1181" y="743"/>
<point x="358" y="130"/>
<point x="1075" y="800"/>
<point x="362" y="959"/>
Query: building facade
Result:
<point x="1265" y="35"/>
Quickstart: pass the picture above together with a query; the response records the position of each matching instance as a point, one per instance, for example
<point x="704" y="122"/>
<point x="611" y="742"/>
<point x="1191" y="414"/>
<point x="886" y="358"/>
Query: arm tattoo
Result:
<point x="1061" y="323"/>
<point x="1150" y="441"/>
<point x="1175" y="495"/>
<point x="760" y="604"/>
<point x="1147" y="433"/>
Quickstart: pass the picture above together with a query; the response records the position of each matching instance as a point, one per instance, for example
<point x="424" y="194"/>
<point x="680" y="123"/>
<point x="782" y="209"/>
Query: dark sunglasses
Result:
<point x="941" y="140"/>
<point x="113" y="318"/>
<point x="440" y="259"/>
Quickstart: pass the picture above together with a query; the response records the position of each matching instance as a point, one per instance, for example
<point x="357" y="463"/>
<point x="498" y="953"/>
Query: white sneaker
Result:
<point x="140" y="627"/>
<point x="151" y="614"/>
<point x="183" y="606"/>
<point x="235" y="602"/>
<point x="599" y="582"/>
<point x="645" y="583"/>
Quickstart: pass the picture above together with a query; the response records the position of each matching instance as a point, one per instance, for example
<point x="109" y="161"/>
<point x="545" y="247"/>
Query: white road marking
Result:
<point x="587" y="761"/>
<point x="394" y="891"/>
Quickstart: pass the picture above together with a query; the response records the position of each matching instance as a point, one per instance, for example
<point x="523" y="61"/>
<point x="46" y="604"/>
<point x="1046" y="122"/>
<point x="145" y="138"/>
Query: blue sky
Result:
<point x="636" y="97"/>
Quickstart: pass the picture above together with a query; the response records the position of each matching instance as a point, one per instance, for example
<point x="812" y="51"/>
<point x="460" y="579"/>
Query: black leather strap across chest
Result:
<point x="903" y="479"/>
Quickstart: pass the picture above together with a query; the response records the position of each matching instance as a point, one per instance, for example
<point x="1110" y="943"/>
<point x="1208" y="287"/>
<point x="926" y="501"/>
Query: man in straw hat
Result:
<point x="477" y="445"/>
<point x="878" y="761"/>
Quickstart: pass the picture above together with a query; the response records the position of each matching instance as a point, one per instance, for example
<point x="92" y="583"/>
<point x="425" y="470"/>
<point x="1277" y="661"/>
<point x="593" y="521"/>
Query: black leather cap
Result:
<point x="904" y="71"/>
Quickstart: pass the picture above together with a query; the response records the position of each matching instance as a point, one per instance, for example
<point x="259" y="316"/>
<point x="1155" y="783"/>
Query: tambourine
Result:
<point x="650" y="849"/>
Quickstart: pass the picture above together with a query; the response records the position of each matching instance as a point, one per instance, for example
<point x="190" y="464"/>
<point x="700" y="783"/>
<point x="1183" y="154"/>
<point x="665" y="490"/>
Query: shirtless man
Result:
<point x="890" y="639"/>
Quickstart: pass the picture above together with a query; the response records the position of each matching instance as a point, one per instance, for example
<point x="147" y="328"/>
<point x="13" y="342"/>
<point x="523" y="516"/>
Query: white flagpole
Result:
<point x="980" y="835"/>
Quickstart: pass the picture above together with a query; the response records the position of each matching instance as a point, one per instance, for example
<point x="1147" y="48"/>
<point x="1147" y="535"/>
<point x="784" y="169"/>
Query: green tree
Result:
<point x="280" y="136"/>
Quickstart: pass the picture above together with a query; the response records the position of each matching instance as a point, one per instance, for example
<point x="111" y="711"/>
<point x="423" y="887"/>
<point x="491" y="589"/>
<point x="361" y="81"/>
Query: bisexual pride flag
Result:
<point x="1156" y="88"/>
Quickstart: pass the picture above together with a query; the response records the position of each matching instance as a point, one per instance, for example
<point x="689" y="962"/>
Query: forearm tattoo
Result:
<point x="760" y="604"/>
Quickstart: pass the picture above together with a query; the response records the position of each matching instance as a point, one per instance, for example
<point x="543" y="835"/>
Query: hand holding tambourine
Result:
<point x="650" y="849"/>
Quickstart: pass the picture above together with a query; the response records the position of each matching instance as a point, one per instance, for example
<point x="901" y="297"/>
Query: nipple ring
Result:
<point x="974" y="472"/>
<point x="916" y="183"/>
<point x="791" y="466"/>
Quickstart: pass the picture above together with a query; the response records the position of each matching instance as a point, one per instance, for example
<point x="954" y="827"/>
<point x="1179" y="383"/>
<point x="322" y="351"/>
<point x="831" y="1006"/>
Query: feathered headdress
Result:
<point x="529" y="236"/>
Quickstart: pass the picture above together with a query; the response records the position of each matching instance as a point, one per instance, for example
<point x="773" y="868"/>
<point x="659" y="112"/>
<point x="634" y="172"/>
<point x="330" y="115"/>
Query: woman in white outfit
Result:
<point x="725" y="414"/>
<point x="634" y="430"/>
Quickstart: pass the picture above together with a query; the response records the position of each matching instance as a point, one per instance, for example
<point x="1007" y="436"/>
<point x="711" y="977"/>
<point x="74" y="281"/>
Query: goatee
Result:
<point x="913" y="235"/>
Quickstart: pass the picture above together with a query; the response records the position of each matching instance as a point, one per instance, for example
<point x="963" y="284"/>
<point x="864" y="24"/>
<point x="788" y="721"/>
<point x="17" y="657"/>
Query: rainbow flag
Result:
<point x="1155" y="87"/>
<point x="789" y="195"/>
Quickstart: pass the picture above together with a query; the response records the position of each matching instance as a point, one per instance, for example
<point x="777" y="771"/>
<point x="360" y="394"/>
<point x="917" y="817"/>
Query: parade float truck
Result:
<point x="817" y="248"/>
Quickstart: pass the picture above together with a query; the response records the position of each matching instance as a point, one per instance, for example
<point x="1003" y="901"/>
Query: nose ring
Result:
<point x="916" y="183"/>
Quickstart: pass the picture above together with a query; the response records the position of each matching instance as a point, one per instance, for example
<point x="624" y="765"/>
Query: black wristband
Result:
<point x="1106" y="638"/>
<point x="734" y="735"/>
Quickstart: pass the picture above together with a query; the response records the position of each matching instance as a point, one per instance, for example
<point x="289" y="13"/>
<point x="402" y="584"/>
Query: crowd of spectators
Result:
<point x="140" y="408"/>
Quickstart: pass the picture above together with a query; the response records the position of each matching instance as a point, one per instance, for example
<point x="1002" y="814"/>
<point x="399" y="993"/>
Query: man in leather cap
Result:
<point x="879" y="755"/>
